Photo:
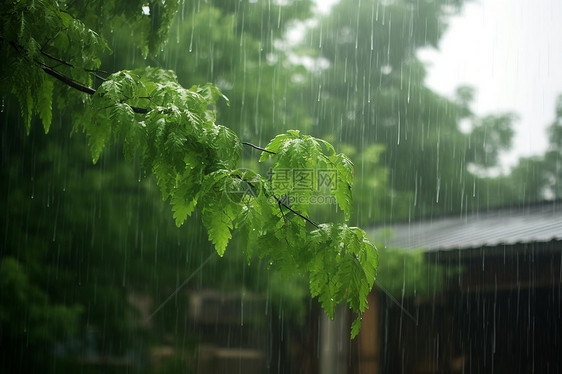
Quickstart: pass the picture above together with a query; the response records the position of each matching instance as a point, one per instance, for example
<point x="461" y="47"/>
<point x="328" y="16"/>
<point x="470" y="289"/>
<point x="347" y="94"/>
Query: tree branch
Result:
<point x="258" y="148"/>
<point x="90" y="91"/>
<point x="56" y="59"/>
<point x="80" y="87"/>
<point x="294" y="212"/>
<point x="280" y="203"/>
<point x="67" y="80"/>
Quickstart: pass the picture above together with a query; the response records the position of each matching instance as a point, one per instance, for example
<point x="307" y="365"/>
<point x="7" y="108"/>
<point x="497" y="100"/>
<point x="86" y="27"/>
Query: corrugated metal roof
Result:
<point x="536" y="223"/>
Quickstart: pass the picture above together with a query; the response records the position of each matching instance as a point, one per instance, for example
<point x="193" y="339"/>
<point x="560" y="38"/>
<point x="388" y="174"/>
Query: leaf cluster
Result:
<point x="148" y="21"/>
<point x="293" y="151"/>
<point x="33" y="36"/>
<point x="194" y="159"/>
<point x="195" y="164"/>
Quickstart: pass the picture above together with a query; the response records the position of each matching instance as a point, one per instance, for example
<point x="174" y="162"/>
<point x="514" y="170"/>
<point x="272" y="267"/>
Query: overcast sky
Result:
<point x="511" y="52"/>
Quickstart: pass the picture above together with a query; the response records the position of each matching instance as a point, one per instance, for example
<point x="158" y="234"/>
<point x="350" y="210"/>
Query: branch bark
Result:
<point x="281" y="203"/>
<point x="80" y="87"/>
<point x="258" y="148"/>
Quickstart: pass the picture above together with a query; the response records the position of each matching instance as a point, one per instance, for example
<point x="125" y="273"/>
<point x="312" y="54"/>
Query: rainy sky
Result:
<point x="510" y="51"/>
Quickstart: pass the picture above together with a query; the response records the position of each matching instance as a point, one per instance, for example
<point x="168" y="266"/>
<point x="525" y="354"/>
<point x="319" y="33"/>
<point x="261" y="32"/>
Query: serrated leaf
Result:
<point x="342" y="192"/>
<point x="275" y="145"/>
<point x="228" y="146"/>
<point x="182" y="208"/>
<point x="355" y="327"/>
<point x="329" y="147"/>
<point x="219" y="226"/>
<point x="99" y="133"/>
<point x="44" y="103"/>
<point x="184" y="195"/>
<point x="110" y="90"/>
<point x="212" y="94"/>
<point x="26" y="103"/>
<point x="217" y="212"/>
<point x="122" y="115"/>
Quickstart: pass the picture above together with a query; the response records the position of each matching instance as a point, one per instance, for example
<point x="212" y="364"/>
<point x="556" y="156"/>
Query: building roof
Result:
<point x="541" y="222"/>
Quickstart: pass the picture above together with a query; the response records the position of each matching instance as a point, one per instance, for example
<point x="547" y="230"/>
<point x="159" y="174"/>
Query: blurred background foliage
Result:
<point x="89" y="252"/>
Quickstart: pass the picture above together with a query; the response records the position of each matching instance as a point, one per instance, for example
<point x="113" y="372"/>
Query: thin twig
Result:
<point x="258" y="148"/>
<point x="56" y="59"/>
<point x="282" y="213"/>
<point x="99" y="77"/>
<point x="295" y="212"/>
<point x="97" y="71"/>
<point x="280" y="203"/>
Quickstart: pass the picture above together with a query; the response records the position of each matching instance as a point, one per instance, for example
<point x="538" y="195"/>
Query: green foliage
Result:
<point x="147" y="21"/>
<point x="194" y="160"/>
<point x="291" y="151"/>
<point x="488" y="137"/>
<point x="26" y="311"/>
<point x="35" y="34"/>
<point x="536" y="178"/>
<point x="407" y="274"/>
<point x="343" y="267"/>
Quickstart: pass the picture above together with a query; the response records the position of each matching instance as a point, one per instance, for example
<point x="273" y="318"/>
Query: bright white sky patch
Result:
<point x="511" y="52"/>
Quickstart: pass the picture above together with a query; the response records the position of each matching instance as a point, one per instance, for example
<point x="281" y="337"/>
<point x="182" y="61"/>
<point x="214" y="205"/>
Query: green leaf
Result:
<point x="212" y="94"/>
<point x="184" y="196"/>
<point x="342" y="192"/>
<point x="355" y="327"/>
<point x="218" y="225"/>
<point x="182" y="208"/>
<point x="228" y="146"/>
<point x="218" y="212"/>
<point x="274" y="145"/>
<point x="44" y="103"/>
<point x="27" y="108"/>
<point x="99" y="134"/>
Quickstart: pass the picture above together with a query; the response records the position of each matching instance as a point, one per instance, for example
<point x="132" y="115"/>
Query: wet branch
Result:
<point x="280" y="203"/>
<point x="66" y="63"/>
<point x="258" y="148"/>
<point x="67" y="80"/>
<point x="80" y="87"/>
<point x="90" y="91"/>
